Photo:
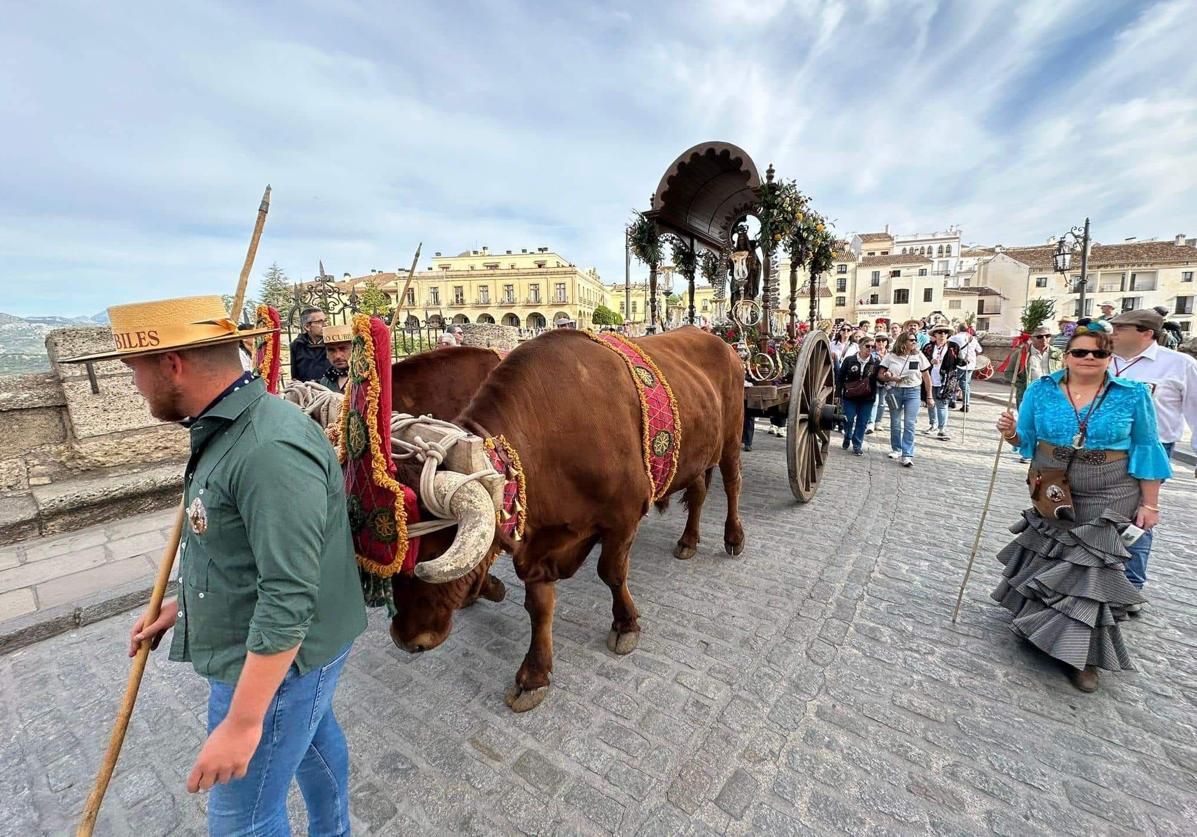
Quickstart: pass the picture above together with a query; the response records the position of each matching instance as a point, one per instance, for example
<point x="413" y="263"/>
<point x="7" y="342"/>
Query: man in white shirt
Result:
<point x="1172" y="377"/>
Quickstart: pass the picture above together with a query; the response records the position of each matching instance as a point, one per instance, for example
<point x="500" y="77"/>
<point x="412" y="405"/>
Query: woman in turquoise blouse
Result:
<point x="1064" y="580"/>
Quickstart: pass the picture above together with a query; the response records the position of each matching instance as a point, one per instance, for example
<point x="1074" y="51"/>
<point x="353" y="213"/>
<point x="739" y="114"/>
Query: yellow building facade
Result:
<point x="528" y="289"/>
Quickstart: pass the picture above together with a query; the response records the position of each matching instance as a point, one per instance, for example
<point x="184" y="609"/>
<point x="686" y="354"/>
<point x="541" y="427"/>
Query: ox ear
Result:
<point x="472" y="507"/>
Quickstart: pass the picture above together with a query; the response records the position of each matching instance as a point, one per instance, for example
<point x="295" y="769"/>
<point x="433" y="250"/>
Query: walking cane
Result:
<point x="997" y="458"/>
<point x="92" y="809"/>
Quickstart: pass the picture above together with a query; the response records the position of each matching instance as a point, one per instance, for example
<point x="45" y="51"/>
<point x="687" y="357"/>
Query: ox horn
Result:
<point x="472" y="508"/>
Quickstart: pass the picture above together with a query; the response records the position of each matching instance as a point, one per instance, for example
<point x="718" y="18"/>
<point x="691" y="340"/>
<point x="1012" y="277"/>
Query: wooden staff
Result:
<point x="410" y="275"/>
<point x="239" y="297"/>
<point x="92" y="809"/>
<point x="997" y="458"/>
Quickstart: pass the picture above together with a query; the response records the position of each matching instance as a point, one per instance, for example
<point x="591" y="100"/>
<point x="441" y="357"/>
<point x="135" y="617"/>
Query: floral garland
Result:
<point x="364" y="367"/>
<point x="495" y="444"/>
<point x="267" y="347"/>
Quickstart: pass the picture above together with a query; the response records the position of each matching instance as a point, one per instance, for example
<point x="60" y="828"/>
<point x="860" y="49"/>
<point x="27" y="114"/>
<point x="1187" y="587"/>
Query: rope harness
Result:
<point x="324" y="405"/>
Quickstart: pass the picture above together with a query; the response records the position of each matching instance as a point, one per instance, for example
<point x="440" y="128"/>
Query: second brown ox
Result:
<point x="571" y="411"/>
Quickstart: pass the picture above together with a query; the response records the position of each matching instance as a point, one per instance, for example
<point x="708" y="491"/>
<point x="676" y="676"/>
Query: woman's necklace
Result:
<point x="1093" y="403"/>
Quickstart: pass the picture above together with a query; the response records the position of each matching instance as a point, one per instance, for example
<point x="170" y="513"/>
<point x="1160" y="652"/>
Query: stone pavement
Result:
<point x="56" y="583"/>
<point x="815" y="685"/>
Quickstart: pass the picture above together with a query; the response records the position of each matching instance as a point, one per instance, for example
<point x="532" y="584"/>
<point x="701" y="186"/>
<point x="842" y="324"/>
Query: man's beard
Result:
<point x="164" y="402"/>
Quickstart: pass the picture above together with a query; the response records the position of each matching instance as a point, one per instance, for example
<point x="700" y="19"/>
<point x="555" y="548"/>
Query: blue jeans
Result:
<point x="1140" y="550"/>
<point x="938" y="413"/>
<point x="904" y="410"/>
<point x="300" y="739"/>
<point x="879" y="407"/>
<point x="966" y="384"/>
<point x="856" y="416"/>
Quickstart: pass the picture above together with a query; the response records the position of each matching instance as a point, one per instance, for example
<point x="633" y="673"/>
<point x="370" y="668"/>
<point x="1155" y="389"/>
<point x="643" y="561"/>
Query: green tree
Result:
<point x="276" y="290"/>
<point x="605" y="316"/>
<point x="249" y="307"/>
<point x="373" y="299"/>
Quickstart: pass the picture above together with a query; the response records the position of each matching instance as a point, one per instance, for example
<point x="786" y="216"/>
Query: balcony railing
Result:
<point x="482" y="301"/>
<point x="507" y="300"/>
<point x="561" y="300"/>
<point x="457" y="303"/>
<point x="534" y="300"/>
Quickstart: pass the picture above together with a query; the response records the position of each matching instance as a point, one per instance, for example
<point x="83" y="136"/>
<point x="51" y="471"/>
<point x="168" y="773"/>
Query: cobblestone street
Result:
<point x="814" y="685"/>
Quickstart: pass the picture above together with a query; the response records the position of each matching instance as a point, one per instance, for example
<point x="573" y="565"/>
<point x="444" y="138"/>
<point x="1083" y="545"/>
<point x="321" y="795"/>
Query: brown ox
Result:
<point x="570" y="409"/>
<point x="441" y="382"/>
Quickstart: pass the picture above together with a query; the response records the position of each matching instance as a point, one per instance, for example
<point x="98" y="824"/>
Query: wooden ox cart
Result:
<point x="701" y="206"/>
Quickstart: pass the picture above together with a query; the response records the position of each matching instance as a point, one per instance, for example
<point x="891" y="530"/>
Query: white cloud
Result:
<point x="145" y="142"/>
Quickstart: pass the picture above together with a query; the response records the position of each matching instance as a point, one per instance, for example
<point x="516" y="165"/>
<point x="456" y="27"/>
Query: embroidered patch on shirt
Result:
<point x="197" y="516"/>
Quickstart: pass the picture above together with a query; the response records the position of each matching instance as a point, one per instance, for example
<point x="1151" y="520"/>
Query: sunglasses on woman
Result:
<point x="1100" y="354"/>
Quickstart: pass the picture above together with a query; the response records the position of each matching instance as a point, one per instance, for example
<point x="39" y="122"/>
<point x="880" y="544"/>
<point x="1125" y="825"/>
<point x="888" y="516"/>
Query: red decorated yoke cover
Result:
<point x="379" y="506"/>
<point x="661" y="423"/>
<point x="267" y="357"/>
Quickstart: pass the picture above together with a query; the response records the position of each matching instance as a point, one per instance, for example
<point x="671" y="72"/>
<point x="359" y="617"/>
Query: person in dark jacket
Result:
<point x="308" y="362"/>
<point x="857" y="388"/>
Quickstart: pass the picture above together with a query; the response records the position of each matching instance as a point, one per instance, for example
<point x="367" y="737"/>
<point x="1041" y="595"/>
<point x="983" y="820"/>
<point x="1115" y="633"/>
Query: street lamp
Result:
<point x="1077" y="237"/>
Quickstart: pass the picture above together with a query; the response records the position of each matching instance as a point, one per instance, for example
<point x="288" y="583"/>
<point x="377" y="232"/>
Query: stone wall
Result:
<point x="487" y="336"/>
<point x="70" y="456"/>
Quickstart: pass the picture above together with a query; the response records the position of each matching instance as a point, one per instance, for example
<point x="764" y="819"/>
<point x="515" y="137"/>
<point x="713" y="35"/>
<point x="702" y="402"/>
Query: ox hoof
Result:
<point x="493" y="590"/>
<point x="521" y="700"/>
<point x="733" y="548"/>
<point x="624" y="643"/>
<point x="684" y="553"/>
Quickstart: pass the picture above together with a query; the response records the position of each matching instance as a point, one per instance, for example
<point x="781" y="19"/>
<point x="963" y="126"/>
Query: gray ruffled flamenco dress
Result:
<point x="1065" y="582"/>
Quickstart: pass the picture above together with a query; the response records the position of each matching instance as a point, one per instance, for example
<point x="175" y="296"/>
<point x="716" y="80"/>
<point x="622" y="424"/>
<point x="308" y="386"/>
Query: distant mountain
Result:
<point x="61" y="322"/>
<point x="23" y="341"/>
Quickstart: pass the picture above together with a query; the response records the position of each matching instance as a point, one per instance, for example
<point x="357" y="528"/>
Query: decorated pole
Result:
<point x="243" y="281"/>
<point x="402" y="296"/>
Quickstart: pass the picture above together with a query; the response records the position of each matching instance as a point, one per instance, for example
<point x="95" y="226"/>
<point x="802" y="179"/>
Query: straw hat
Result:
<point x="945" y="329"/>
<point x="338" y="334"/>
<point x="909" y="323"/>
<point x="167" y="325"/>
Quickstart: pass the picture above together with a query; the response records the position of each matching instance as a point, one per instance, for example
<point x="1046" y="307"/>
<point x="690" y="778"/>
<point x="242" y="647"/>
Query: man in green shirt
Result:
<point x="269" y="598"/>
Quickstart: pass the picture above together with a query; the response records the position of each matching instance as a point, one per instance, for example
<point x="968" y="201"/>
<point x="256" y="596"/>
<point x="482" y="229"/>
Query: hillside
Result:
<point x="23" y="341"/>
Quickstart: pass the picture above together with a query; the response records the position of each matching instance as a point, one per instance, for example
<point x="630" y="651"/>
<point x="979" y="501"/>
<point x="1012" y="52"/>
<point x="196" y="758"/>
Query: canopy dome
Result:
<point x="703" y="191"/>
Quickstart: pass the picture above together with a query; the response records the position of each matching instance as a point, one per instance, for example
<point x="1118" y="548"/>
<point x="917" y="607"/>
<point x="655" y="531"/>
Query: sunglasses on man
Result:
<point x="1100" y="354"/>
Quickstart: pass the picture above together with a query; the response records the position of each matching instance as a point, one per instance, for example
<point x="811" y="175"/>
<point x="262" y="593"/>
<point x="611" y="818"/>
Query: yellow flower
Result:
<point x="819" y="227"/>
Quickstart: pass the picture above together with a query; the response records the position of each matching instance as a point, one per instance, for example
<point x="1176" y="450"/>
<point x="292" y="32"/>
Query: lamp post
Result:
<point x="1062" y="259"/>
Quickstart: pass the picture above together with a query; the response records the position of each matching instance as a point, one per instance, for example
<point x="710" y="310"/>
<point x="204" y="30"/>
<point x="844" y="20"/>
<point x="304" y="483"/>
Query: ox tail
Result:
<point x="662" y="504"/>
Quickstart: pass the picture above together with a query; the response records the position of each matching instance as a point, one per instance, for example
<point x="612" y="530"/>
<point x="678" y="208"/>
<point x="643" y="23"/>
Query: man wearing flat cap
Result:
<point x="1172" y="378"/>
<point x="269" y="597"/>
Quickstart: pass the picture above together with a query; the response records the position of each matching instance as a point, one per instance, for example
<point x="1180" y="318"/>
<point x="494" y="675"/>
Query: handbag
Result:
<point x="1051" y="495"/>
<point x="858" y="389"/>
<point x="862" y="387"/>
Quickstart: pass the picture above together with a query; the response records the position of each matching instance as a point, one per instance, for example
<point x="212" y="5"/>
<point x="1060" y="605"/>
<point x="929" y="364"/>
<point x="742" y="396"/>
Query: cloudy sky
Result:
<point x="139" y="136"/>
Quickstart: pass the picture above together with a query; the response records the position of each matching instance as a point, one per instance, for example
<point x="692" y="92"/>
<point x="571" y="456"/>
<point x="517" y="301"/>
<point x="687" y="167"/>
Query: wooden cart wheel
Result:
<point x="811" y="415"/>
